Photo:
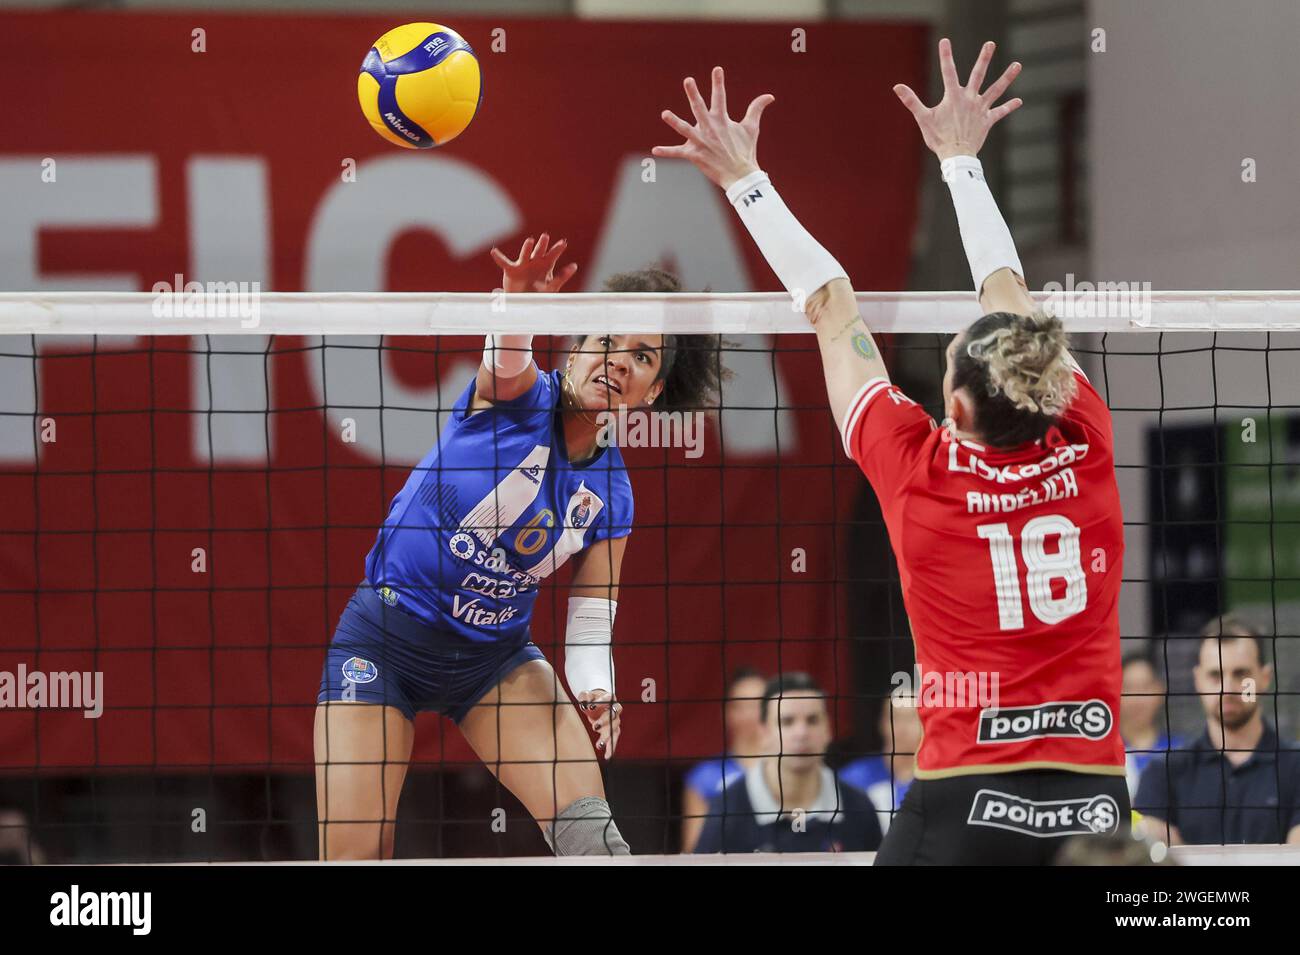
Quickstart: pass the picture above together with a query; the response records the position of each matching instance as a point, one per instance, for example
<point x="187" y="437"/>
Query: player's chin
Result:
<point x="596" y="398"/>
<point x="802" y="760"/>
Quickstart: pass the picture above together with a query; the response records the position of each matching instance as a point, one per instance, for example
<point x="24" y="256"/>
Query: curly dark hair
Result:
<point x="690" y="365"/>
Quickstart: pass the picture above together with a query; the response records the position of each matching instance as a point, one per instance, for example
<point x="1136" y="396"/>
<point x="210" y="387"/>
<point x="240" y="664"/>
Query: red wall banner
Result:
<point x="250" y="160"/>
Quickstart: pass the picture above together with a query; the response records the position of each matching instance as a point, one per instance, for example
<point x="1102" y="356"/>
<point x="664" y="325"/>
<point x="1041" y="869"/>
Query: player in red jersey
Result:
<point x="1005" y="521"/>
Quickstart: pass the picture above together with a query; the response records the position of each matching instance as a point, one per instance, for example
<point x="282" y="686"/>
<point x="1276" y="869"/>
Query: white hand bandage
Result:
<point x="984" y="233"/>
<point x="588" y="644"/>
<point x="798" y="259"/>
<point x="507" y="355"/>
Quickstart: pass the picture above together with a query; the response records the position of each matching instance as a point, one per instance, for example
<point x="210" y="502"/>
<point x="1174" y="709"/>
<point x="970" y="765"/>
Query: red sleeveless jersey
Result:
<point x="1010" y="561"/>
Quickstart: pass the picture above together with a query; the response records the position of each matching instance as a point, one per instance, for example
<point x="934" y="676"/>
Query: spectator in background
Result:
<point x="886" y="778"/>
<point x="791" y="801"/>
<point x="1237" y="783"/>
<point x="743" y="727"/>
<point x="1140" y="708"/>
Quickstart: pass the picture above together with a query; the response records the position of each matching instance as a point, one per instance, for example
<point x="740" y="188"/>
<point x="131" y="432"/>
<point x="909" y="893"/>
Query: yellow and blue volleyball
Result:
<point x="420" y="85"/>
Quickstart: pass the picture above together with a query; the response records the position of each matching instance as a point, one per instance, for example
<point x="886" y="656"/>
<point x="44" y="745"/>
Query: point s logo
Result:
<point x="1091" y="720"/>
<point x="1090" y="815"/>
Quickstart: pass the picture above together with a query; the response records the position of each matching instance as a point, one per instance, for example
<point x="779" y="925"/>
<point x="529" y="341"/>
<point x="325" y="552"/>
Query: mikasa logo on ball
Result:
<point x="1089" y="720"/>
<point x="397" y="124"/>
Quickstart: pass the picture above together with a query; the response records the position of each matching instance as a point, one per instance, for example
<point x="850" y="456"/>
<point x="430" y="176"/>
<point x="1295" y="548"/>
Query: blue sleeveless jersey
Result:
<point x="490" y="512"/>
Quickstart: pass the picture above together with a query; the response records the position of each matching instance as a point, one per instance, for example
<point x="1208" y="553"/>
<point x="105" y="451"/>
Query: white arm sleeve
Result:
<point x="507" y="355"/>
<point x="589" y="644"/>
<point x="799" y="260"/>
<point x="984" y="233"/>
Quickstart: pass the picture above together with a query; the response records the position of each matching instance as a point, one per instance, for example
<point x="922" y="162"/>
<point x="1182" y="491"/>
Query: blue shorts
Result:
<point x="383" y="655"/>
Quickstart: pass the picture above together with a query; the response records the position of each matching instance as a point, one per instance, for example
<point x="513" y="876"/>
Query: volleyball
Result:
<point x="420" y="85"/>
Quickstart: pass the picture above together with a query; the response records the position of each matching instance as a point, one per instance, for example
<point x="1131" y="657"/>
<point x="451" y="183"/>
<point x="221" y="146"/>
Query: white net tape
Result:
<point x="220" y="310"/>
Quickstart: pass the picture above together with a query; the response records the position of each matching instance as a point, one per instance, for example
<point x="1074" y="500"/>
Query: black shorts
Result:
<point x="1019" y="818"/>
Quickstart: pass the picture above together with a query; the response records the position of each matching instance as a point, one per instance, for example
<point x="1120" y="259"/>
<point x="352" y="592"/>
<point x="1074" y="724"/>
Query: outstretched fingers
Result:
<point x="671" y="152"/>
<point x="1006" y="109"/>
<point x="948" y="66"/>
<point x="718" y="97"/>
<point x="525" y="252"/>
<point x="911" y="100"/>
<point x="678" y="125"/>
<point x="698" y="107"/>
<point x="981" y="67"/>
<point x="755" y="111"/>
<point x="1000" y="85"/>
<point x="558" y="279"/>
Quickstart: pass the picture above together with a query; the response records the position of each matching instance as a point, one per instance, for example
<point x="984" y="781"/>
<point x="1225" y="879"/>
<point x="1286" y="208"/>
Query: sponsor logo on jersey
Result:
<point x="474" y="615"/>
<point x="533" y="473"/>
<point x="581" y="511"/>
<point x="462" y="545"/>
<point x="1088" y="720"/>
<point x="357" y="670"/>
<point x="1091" y="815"/>
<point x="1059" y="459"/>
<point x="388" y="595"/>
<point x="499" y="589"/>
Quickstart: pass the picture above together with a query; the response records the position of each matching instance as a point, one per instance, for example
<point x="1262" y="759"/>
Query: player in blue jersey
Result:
<point x="520" y="483"/>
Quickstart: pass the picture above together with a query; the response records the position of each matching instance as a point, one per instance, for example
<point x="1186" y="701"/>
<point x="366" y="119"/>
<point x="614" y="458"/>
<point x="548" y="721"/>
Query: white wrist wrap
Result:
<point x="798" y="259"/>
<point x="589" y="644"/>
<point x="984" y="233"/>
<point x="507" y="355"/>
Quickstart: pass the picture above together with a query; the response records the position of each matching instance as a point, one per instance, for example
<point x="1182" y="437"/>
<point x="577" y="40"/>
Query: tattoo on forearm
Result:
<point x="858" y="337"/>
<point x="845" y="328"/>
<point x="862" y="345"/>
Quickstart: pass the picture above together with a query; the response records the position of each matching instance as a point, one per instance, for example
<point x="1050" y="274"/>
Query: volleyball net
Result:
<point x="190" y="483"/>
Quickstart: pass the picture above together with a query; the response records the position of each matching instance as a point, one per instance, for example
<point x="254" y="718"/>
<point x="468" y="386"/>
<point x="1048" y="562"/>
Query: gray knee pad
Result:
<point x="586" y="828"/>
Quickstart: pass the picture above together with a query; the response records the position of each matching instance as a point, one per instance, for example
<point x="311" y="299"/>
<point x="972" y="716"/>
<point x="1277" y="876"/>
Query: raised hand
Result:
<point x="534" y="270"/>
<point x="961" y="121"/>
<point x="718" y="146"/>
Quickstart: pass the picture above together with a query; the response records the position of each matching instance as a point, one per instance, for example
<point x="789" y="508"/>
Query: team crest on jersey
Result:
<point x="357" y="670"/>
<point x="581" y="511"/>
<point x="462" y="546"/>
<point x="388" y="595"/>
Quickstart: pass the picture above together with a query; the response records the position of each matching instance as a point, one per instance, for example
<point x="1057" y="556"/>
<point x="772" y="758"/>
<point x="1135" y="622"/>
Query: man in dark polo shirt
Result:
<point x="790" y="800"/>
<point x="1238" y="783"/>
